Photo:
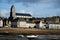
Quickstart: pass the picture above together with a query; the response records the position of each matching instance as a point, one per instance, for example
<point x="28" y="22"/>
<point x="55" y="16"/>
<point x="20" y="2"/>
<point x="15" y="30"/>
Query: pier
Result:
<point x="29" y="31"/>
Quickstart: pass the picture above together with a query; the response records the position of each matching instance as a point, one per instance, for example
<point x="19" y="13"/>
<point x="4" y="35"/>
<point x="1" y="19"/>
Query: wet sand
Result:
<point x="40" y="37"/>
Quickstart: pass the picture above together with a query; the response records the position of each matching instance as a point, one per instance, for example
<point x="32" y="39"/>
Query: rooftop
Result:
<point x="23" y="14"/>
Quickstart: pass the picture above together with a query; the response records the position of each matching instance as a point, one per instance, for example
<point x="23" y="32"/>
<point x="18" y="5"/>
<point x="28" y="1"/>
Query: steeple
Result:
<point x="12" y="7"/>
<point x="12" y="12"/>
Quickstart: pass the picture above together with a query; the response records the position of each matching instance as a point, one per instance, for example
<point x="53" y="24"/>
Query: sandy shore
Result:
<point x="30" y="31"/>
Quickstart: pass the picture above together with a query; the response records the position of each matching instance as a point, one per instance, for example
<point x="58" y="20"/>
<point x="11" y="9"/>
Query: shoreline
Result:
<point x="29" y="31"/>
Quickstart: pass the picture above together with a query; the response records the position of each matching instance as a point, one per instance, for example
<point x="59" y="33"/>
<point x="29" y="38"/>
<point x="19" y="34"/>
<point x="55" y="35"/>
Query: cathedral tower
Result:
<point x="12" y="12"/>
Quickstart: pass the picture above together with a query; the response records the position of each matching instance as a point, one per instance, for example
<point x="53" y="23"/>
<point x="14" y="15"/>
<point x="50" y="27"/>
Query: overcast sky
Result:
<point x="37" y="8"/>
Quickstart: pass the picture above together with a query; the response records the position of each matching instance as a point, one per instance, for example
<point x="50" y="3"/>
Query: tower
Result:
<point x="12" y="13"/>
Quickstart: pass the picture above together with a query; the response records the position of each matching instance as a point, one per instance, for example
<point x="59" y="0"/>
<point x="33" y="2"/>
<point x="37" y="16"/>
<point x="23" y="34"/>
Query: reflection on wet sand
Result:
<point x="40" y="37"/>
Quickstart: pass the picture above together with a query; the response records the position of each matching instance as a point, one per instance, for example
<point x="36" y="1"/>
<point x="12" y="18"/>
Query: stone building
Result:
<point x="21" y="19"/>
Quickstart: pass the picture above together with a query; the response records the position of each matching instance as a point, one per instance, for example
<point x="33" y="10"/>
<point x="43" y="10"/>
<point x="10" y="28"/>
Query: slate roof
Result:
<point x="23" y="14"/>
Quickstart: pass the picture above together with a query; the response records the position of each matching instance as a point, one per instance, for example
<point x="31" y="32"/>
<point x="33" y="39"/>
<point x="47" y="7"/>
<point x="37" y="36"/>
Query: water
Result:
<point x="40" y="37"/>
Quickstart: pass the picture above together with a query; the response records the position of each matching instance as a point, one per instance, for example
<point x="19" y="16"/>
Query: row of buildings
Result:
<point x="27" y="21"/>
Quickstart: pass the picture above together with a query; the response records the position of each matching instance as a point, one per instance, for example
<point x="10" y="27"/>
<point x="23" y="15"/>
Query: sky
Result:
<point x="37" y="8"/>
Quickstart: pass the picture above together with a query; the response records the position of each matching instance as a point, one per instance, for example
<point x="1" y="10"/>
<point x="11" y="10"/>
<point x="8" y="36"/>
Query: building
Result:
<point x="14" y="15"/>
<point x="21" y="19"/>
<point x="54" y="26"/>
<point x="4" y="22"/>
<point x="1" y="22"/>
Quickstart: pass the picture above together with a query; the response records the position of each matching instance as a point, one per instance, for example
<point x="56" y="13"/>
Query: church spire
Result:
<point x="12" y="12"/>
<point x="12" y="7"/>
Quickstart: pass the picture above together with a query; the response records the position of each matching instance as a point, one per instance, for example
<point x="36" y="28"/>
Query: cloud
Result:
<point x="25" y="11"/>
<point x="25" y="2"/>
<point x="56" y="3"/>
<point x="15" y="1"/>
<point x="3" y="12"/>
<point x="22" y="11"/>
<point x="29" y="1"/>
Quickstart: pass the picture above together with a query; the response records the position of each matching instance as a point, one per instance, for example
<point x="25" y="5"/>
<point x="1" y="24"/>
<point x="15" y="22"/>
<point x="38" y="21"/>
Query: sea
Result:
<point x="20" y="37"/>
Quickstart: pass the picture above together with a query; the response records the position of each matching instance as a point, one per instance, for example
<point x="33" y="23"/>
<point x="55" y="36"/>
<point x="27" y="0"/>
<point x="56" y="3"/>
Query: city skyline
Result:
<point x="37" y="8"/>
